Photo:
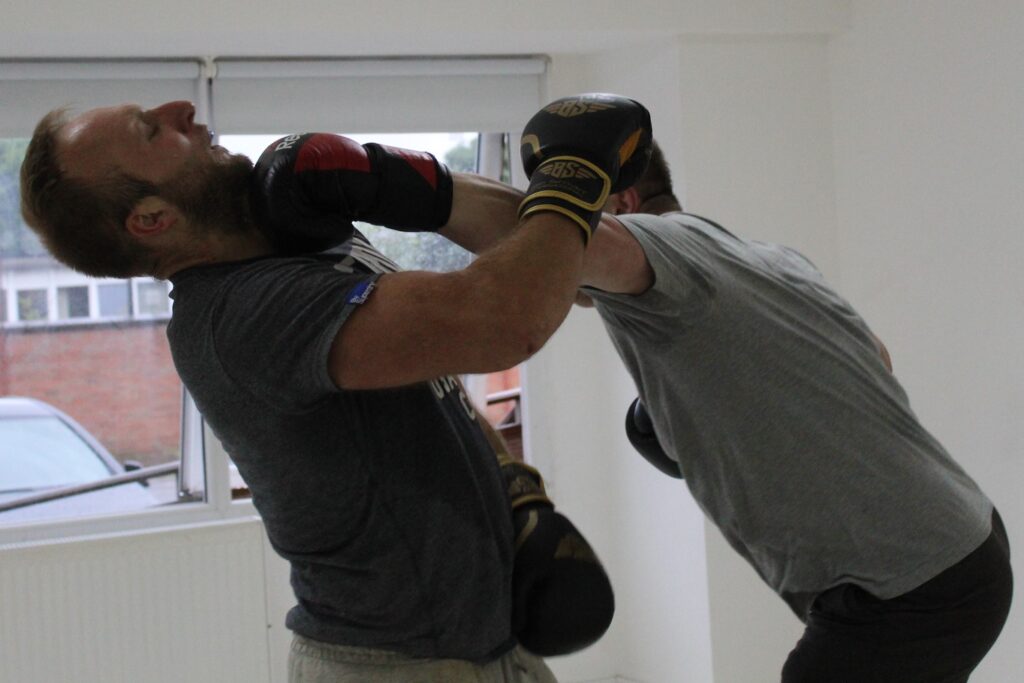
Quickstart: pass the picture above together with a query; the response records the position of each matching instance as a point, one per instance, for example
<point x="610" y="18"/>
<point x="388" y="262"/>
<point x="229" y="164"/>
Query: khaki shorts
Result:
<point x="311" y="661"/>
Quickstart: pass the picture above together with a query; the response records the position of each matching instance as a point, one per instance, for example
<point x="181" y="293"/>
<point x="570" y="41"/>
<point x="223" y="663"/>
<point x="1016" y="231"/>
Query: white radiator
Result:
<point x="202" y="604"/>
<point x="179" y="605"/>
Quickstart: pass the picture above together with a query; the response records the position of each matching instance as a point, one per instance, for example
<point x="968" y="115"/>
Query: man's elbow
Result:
<point x="515" y="336"/>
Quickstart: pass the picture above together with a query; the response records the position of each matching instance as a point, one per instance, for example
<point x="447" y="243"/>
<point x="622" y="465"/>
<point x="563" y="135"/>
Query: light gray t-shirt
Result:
<point x="791" y="434"/>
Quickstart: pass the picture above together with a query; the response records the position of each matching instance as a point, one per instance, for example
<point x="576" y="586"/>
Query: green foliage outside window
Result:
<point x="427" y="250"/>
<point x="16" y="239"/>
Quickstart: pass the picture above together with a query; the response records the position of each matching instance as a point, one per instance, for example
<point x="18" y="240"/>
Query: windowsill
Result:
<point x="81" y="324"/>
<point x="175" y="516"/>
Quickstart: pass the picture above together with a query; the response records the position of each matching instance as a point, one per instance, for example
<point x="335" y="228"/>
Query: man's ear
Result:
<point x="151" y="216"/>
<point x="626" y="201"/>
<point x="629" y="200"/>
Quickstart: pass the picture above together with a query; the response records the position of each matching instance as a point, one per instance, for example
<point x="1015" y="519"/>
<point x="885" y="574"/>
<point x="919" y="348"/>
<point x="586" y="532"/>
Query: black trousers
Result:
<point x="936" y="633"/>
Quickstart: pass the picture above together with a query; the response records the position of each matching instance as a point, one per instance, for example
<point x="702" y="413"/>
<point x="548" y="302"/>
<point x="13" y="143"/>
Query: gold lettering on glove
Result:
<point x="568" y="109"/>
<point x="567" y="169"/>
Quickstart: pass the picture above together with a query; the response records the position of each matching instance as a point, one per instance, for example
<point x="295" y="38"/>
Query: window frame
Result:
<point x="200" y="450"/>
<point x="95" y="317"/>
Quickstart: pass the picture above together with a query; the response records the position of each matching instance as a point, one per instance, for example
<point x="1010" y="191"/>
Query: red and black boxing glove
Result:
<point x="307" y="189"/>
<point x="578" y="150"/>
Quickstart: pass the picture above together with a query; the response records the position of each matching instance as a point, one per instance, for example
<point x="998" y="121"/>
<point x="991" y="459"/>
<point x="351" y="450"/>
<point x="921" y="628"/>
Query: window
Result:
<point x="32" y="305"/>
<point x="114" y="300"/>
<point x="153" y="297"/>
<point x="88" y="302"/>
<point x="92" y="355"/>
<point x="87" y="390"/>
<point x="72" y="302"/>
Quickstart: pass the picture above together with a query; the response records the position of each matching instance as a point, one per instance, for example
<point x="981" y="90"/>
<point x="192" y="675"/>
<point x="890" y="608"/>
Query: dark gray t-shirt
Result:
<point x="792" y="435"/>
<point x="389" y="504"/>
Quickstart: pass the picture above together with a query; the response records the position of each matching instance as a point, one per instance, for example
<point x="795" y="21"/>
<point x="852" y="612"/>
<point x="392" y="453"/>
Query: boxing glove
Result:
<point x="640" y="433"/>
<point x="578" y="150"/>
<point x="562" y="599"/>
<point x="306" y="189"/>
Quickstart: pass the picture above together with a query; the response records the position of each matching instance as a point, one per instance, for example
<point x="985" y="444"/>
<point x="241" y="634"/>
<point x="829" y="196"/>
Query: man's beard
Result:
<point x="213" y="194"/>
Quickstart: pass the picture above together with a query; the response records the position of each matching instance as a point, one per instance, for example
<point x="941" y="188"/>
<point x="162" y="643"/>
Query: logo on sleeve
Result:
<point x="360" y="293"/>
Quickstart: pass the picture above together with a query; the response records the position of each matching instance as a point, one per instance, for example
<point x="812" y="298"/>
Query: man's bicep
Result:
<point x="615" y="262"/>
<point x="414" y="326"/>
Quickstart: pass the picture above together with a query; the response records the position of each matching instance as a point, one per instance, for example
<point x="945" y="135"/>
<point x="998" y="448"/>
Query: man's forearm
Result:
<point x="494" y="314"/>
<point x="484" y="211"/>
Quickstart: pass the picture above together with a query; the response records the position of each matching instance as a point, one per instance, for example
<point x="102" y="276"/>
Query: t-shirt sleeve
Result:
<point x="682" y="285"/>
<point x="274" y="328"/>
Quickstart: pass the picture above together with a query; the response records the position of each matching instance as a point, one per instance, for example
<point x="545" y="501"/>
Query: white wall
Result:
<point x="758" y="152"/>
<point x="882" y="138"/>
<point x="928" y="103"/>
<point x="385" y="27"/>
<point x="655" y="545"/>
<point x="747" y="132"/>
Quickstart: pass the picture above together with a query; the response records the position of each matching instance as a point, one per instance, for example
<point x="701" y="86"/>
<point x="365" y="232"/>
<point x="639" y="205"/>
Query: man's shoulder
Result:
<point x="675" y="231"/>
<point x="265" y="271"/>
<point x="236" y="293"/>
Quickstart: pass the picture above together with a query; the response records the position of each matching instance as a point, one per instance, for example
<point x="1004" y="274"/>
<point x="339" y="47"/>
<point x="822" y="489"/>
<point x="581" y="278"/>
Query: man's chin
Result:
<point x="224" y="155"/>
<point x="214" y="196"/>
<point x="229" y="158"/>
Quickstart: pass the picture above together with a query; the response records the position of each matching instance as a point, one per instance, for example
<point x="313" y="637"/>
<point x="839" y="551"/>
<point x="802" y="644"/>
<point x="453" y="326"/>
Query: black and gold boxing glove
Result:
<point x="562" y="599"/>
<point x="578" y="150"/>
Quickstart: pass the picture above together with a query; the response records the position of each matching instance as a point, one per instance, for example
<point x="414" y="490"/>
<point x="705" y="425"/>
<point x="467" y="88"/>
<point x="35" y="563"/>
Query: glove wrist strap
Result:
<point x="571" y="186"/>
<point x="524" y="484"/>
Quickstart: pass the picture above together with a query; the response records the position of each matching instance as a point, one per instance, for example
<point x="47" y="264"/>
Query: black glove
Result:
<point x="641" y="434"/>
<point x="562" y="600"/>
<point x="578" y="150"/>
<point x="307" y="189"/>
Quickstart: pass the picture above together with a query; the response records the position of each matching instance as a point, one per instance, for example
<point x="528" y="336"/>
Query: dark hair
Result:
<point x="81" y="222"/>
<point x="655" y="186"/>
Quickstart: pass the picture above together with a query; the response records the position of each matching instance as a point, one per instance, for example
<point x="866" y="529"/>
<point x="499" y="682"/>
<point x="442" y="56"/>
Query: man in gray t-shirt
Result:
<point x="774" y="401"/>
<point x="777" y="405"/>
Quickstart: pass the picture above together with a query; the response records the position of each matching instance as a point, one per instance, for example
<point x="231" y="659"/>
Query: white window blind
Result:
<point x="29" y="89"/>
<point x="373" y="95"/>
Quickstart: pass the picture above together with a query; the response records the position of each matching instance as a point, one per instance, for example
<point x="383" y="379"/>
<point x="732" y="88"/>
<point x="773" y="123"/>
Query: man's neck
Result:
<point x="214" y="248"/>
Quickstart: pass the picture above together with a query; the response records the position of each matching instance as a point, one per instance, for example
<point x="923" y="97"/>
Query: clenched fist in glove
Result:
<point x="562" y="600"/>
<point x="578" y="150"/>
<point x="307" y="189"/>
<point x="640" y="432"/>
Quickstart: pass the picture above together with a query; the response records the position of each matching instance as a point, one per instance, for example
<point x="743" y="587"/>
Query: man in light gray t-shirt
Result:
<point x="777" y="405"/>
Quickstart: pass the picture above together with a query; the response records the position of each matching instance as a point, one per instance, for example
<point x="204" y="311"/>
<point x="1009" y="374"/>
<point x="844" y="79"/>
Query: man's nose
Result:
<point x="178" y="114"/>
